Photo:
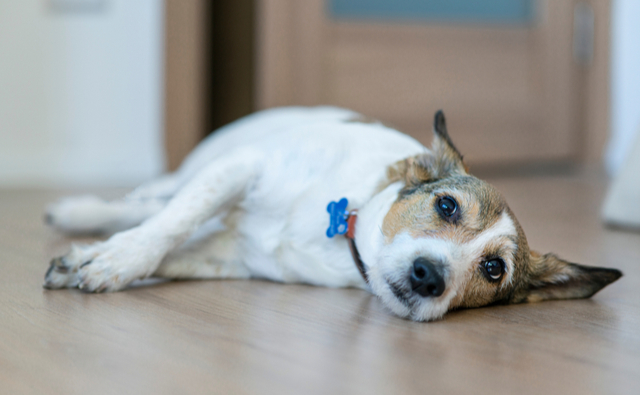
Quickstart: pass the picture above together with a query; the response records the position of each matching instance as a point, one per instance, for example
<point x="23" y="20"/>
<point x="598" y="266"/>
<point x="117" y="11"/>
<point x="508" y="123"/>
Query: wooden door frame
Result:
<point x="209" y="60"/>
<point x="595" y="108"/>
<point x="186" y="77"/>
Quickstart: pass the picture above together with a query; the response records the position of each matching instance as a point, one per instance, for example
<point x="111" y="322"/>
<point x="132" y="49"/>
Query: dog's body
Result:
<point x="251" y="201"/>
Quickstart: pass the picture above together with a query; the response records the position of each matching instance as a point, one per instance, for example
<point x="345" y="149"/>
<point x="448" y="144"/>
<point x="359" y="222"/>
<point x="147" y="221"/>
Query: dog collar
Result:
<point x="343" y="222"/>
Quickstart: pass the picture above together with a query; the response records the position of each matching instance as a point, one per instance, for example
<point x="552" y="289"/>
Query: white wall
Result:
<point x="80" y="93"/>
<point x="625" y="81"/>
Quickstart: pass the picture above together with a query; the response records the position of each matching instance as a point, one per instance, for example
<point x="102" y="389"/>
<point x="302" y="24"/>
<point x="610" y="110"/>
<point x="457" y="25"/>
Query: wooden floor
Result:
<point x="264" y="338"/>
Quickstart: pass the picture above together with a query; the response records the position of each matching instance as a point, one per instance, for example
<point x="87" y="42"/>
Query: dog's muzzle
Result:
<point x="426" y="279"/>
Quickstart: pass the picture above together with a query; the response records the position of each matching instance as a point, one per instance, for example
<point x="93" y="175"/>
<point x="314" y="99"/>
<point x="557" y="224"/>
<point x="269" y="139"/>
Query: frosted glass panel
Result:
<point x="500" y="11"/>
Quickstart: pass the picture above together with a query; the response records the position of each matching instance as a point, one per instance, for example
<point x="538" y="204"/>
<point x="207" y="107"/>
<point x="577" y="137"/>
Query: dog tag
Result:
<point x="338" y="215"/>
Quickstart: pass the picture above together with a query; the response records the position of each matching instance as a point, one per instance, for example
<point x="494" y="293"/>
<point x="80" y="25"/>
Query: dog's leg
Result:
<point x="88" y="214"/>
<point x="137" y="252"/>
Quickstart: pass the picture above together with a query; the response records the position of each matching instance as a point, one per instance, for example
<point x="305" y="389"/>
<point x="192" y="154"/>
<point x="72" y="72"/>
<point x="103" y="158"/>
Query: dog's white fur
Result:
<point x="251" y="201"/>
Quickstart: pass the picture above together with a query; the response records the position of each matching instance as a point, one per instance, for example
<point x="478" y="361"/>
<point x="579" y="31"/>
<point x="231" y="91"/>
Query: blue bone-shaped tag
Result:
<point x="338" y="215"/>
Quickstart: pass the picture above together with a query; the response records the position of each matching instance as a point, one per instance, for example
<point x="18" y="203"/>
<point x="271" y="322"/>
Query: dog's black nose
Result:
<point x="425" y="278"/>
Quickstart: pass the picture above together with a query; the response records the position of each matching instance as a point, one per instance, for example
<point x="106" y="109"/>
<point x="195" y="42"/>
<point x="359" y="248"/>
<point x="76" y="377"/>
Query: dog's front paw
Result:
<point x="107" y="266"/>
<point x="63" y="271"/>
<point x="60" y="275"/>
<point x="106" y="274"/>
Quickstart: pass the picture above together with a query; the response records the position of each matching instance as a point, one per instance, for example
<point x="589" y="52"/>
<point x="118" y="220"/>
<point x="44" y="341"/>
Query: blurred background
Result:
<point x="114" y="92"/>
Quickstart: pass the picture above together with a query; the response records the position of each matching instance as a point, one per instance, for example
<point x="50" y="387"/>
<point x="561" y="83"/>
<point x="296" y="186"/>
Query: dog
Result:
<point x="263" y="198"/>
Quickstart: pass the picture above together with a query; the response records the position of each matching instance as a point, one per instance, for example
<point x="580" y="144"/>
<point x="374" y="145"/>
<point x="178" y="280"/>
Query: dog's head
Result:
<point x="449" y="240"/>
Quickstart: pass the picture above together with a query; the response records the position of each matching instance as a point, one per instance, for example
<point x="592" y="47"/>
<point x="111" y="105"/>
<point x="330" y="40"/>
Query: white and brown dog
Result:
<point x="251" y="201"/>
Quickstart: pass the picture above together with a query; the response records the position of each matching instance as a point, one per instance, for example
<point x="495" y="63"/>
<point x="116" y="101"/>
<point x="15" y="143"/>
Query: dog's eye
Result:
<point x="447" y="206"/>
<point x="494" y="268"/>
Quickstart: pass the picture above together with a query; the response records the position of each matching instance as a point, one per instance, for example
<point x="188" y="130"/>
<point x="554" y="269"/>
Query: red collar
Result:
<point x="351" y="238"/>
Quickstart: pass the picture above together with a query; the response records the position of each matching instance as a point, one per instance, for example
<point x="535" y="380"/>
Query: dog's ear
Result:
<point x="549" y="277"/>
<point x="443" y="148"/>
<point x="443" y="160"/>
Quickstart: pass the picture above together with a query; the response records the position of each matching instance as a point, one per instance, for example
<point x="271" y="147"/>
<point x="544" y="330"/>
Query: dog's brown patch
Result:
<point x="477" y="292"/>
<point x="414" y="212"/>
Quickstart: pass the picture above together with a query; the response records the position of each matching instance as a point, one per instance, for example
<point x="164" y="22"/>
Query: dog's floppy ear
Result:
<point x="550" y="277"/>
<point x="441" y="161"/>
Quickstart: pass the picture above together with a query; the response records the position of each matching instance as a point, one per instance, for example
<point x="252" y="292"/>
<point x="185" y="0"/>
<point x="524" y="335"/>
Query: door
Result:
<point x="509" y="74"/>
